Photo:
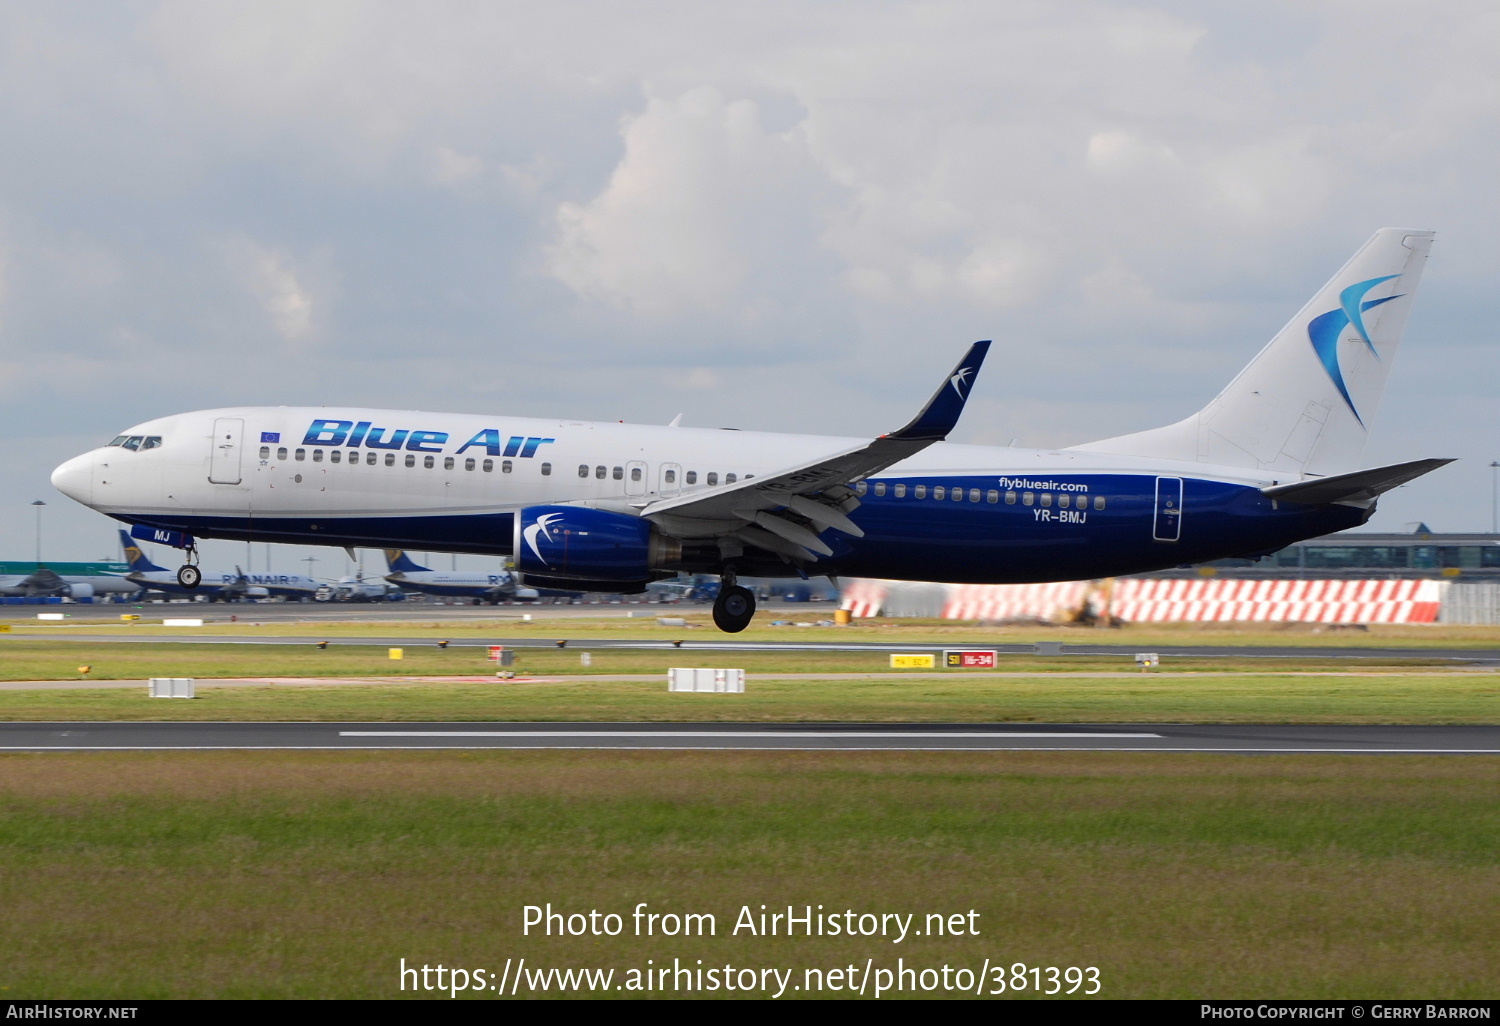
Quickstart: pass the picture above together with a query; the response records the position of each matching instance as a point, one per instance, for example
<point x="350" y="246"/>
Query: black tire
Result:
<point x="189" y="576"/>
<point x="733" y="609"/>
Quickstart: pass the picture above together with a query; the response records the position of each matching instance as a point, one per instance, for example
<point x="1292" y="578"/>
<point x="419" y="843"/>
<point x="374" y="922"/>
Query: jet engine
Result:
<point x="593" y="549"/>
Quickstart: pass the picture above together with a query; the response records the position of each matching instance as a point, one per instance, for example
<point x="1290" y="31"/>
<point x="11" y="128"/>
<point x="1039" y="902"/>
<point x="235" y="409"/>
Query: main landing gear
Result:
<point x="734" y="607"/>
<point x="188" y="575"/>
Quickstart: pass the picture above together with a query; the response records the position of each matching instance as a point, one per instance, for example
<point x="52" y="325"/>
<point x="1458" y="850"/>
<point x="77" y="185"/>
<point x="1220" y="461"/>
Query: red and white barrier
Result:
<point x="863" y="597"/>
<point x="1196" y="600"/>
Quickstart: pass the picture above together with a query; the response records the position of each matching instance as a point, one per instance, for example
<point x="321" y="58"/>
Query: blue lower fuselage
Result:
<point x="1077" y="527"/>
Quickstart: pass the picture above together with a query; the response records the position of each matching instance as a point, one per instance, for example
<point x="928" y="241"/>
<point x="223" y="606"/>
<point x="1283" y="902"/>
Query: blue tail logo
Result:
<point x="1324" y="330"/>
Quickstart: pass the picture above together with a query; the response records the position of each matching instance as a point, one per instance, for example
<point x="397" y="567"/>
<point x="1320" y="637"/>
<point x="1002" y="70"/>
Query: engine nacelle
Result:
<point x="581" y="544"/>
<point x="80" y="590"/>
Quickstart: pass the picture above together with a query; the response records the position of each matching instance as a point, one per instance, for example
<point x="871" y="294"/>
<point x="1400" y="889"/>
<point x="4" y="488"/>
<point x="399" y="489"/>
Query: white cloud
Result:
<point x="451" y="168"/>
<point x="684" y="217"/>
<point x="270" y="277"/>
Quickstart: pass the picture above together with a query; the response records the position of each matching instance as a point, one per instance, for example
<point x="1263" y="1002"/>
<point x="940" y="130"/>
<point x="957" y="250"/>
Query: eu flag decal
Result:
<point x="270" y="436"/>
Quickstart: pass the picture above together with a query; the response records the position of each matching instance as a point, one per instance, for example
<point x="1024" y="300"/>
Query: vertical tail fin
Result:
<point x="139" y="564"/>
<point x="1305" y="403"/>
<point x="400" y="563"/>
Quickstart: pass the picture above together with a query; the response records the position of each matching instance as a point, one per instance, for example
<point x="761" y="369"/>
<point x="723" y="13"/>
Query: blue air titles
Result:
<point x="364" y="433"/>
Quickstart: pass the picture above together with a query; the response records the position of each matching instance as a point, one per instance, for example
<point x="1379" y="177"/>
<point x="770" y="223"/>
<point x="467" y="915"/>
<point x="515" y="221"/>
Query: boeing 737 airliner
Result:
<point x="1273" y="459"/>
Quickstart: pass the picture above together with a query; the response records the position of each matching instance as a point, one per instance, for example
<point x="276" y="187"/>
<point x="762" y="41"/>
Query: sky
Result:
<point x="782" y="215"/>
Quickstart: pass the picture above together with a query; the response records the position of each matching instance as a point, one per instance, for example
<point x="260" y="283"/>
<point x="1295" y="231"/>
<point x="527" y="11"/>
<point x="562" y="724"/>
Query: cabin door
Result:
<point x="224" y="458"/>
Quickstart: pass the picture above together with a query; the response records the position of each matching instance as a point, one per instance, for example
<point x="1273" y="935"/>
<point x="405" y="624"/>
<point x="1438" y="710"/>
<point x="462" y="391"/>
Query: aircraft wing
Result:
<point x="784" y="512"/>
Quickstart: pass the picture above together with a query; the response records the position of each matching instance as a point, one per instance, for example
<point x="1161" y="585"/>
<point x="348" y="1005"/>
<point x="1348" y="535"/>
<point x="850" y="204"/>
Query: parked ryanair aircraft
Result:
<point x="1273" y="459"/>
<point x="224" y="586"/>
<point x="493" y="588"/>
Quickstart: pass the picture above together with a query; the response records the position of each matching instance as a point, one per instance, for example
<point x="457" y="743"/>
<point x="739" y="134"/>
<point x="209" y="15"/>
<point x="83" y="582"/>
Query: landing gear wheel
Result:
<point x="733" y="608"/>
<point x="189" y="576"/>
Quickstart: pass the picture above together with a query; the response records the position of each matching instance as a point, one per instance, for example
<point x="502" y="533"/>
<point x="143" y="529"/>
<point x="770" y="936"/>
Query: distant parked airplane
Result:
<point x="63" y="580"/>
<point x="495" y="587"/>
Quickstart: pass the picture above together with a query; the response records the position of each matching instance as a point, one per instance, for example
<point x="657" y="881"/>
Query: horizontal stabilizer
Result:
<point x="1362" y="485"/>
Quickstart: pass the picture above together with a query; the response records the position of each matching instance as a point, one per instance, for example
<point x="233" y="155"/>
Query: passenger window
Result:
<point x="546" y="470"/>
<point x="713" y="478"/>
<point x="1064" y="501"/>
<point x="670" y="477"/>
<point x="992" y="496"/>
<point x="635" y="473"/>
<point x="920" y="491"/>
<point x="469" y="463"/>
<point x="730" y="479"/>
<point x="447" y="462"/>
<point x="504" y="466"/>
<point x="1098" y="502"/>
<point x="411" y="460"/>
<point x="958" y="495"/>
<point x="1010" y="498"/>
<point x="1046" y="498"/>
<point x="599" y="472"/>
<point x="489" y="465"/>
<point x="281" y="454"/>
<point x="939" y="492"/>
<point x="390" y="459"/>
<point x="691" y="477"/>
<point x="879" y="487"/>
<point x="371" y="458"/>
<point x="317" y="455"/>
<point x="428" y="462"/>
<point x="1028" y="498"/>
<point x="618" y="474"/>
<point x="300" y="455"/>
<point x="265" y="452"/>
<point x="900" y="491"/>
<point x="859" y="489"/>
<point x="973" y="494"/>
<point x="334" y="455"/>
<point x="133" y="442"/>
<point x="583" y="470"/>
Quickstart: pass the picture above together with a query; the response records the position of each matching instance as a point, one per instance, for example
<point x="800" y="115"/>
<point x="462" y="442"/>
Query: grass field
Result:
<point x="617" y="625"/>
<point x="1126" y="698"/>
<point x="27" y="659"/>
<point x="311" y="874"/>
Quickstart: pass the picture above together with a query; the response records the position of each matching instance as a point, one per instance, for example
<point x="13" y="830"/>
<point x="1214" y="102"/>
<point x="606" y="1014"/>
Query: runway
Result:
<point x="1224" y="739"/>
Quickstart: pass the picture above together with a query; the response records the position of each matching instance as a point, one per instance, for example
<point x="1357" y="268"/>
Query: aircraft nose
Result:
<point x="75" y="478"/>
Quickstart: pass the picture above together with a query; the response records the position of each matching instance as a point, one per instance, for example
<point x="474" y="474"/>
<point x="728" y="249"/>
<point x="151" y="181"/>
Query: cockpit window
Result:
<point x="136" y="443"/>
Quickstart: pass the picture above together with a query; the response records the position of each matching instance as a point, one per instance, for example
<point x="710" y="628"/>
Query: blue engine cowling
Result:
<point x="587" y="545"/>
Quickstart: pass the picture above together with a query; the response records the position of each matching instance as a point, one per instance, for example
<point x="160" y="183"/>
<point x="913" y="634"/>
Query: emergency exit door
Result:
<point x="1167" y="524"/>
<point x="224" y="456"/>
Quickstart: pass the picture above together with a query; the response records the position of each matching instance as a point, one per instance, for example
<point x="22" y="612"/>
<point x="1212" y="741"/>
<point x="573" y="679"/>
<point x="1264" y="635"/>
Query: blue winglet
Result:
<point x="942" y="411"/>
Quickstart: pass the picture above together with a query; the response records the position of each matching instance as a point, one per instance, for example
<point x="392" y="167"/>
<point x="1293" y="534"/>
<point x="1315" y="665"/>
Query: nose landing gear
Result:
<point x="188" y="575"/>
<point x="734" y="607"/>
